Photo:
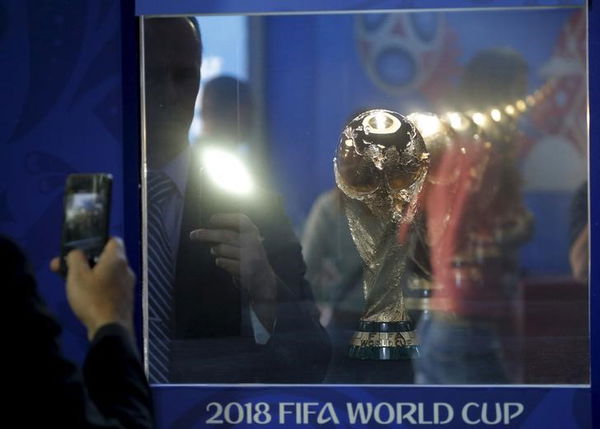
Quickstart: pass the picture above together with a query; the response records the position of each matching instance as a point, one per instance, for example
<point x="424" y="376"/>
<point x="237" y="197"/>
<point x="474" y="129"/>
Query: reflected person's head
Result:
<point x="227" y="109"/>
<point x="493" y="77"/>
<point x="173" y="56"/>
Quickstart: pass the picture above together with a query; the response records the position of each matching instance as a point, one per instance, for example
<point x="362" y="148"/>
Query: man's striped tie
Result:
<point x="161" y="269"/>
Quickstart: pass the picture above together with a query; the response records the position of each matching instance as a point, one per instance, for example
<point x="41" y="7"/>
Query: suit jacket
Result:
<point x="47" y="390"/>
<point x="210" y="323"/>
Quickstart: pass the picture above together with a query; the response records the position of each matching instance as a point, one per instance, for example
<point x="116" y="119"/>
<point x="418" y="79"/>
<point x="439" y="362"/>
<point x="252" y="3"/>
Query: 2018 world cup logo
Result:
<point x="403" y="52"/>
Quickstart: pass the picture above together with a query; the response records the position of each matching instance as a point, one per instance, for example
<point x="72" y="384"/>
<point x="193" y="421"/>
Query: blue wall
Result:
<point x="62" y="113"/>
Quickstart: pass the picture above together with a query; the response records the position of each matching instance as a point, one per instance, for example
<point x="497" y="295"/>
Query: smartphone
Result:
<point x="215" y="201"/>
<point x="86" y="216"/>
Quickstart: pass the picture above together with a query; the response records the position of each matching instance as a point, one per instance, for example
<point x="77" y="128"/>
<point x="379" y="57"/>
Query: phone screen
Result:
<point x="85" y="214"/>
<point x="87" y="202"/>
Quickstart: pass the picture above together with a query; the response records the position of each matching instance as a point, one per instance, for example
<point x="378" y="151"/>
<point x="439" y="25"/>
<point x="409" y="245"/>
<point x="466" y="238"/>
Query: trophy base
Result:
<point x="384" y="341"/>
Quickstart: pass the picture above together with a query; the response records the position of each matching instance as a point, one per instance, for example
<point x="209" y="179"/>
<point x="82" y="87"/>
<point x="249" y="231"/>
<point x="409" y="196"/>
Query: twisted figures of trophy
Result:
<point x="380" y="166"/>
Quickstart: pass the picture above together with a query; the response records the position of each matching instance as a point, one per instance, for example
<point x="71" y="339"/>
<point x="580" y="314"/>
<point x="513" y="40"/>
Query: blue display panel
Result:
<point x="366" y="407"/>
<point x="62" y="113"/>
<point x="191" y="7"/>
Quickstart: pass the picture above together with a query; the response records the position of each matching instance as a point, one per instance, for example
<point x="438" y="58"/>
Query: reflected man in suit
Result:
<point x="227" y="301"/>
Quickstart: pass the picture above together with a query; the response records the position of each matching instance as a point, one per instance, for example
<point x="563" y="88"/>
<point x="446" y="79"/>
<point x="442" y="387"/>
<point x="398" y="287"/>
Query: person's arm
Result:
<point x="271" y="270"/>
<point x="47" y="390"/>
<point x="300" y="347"/>
<point x="115" y="378"/>
<point x="102" y="298"/>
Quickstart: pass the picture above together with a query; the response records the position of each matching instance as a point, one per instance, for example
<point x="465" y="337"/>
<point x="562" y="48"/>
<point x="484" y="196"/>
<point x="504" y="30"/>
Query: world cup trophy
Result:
<point x="380" y="166"/>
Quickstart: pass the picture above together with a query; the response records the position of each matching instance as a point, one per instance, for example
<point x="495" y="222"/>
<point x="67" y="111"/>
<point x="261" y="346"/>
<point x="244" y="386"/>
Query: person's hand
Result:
<point x="103" y="294"/>
<point x="237" y="246"/>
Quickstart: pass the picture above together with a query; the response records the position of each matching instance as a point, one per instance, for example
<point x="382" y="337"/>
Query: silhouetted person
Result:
<point x="46" y="390"/>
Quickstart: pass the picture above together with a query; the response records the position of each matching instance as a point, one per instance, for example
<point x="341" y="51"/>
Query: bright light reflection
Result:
<point x="479" y="119"/>
<point x="227" y="171"/>
<point x="496" y="115"/>
<point x="457" y="121"/>
<point x="427" y="124"/>
<point x="380" y="121"/>
<point x="521" y="105"/>
<point x="510" y="109"/>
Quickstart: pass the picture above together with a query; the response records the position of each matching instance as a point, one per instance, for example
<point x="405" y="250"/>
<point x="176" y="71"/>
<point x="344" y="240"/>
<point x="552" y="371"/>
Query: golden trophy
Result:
<point x="380" y="166"/>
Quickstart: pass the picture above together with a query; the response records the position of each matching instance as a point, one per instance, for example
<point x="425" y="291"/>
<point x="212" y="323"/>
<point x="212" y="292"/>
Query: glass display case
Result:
<point x="365" y="197"/>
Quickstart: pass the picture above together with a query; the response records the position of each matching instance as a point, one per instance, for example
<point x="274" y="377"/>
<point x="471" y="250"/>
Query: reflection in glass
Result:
<point x="227" y="301"/>
<point x="496" y="274"/>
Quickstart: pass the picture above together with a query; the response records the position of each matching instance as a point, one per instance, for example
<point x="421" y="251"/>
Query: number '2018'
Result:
<point x="236" y="413"/>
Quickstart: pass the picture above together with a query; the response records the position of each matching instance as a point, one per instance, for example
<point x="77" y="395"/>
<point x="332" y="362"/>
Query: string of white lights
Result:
<point x="431" y="125"/>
